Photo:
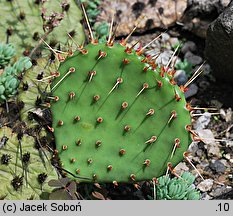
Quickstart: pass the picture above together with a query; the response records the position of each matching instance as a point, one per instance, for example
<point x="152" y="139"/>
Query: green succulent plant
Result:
<point x="26" y="23"/>
<point x="24" y="170"/>
<point x="92" y="9"/>
<point x="101" y="30"/>
<point x="9" y="80"/>
<point x="177" y="188"/>
<point x="7" y="52"/>
<point x="184" y="65"/>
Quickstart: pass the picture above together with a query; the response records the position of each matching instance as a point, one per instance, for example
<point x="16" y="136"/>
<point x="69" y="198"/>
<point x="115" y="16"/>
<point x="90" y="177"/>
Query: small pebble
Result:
<point x="205" y="185"/>
<point x="188" y="46"/>
<point x="181" y="167"/>
<point x="180" y="77"/>
<point x="202" y="122"/>
<point x="220" y="190"/>
<point x="193" y="59"/>
<point x="192" y="90"/>
<point x="165" y="37"/>
<point x="217" y="166"/>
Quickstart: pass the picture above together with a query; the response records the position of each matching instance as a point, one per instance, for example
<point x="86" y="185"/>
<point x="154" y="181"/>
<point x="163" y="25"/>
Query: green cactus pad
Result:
<point x="117" y="119"/>
<point x="32" y="89"/>
<point x="21" y="23"/>
<point x="30" y="182"/>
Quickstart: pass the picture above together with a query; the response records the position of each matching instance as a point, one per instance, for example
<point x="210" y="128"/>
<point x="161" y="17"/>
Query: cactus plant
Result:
<point x="117" y="117"/>
<point x="9" y="80"/>
<point x="33" y="89"/>
<point x="24" y="171"/>
<point x="25" y="23"/>
<point x="177" y="188"/>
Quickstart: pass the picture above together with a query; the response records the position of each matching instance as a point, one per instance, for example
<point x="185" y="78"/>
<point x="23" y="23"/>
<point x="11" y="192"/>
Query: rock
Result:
<point x="213" y="150"/>
<point x="219" y="45"/>
<point x="206" y="6"/>
<point x="164" y="57"/>
<point x="180" y="77"/>
<point x="203" y="164"/>
<point x="226" y="164"/>
<point x="193" y="147"/>
<point x="202" y="122"/>
<point x="174" y="41"/>
<point x="229" y="115"/>
<point x="225" y="3"/>
<point x="228" y="156"/>
<point x="199" y="153"/>
<point x="206" y="69"/>
<point x="193" y="59"/>
<point x="222" y="113"/>
<point x="181" y="167"/>
<point x="230" y="177"/>
<point x="217" y="166"/>
<point x="158" y="13"/>
<point x="211" y="145"/>
<point x="198" y="27"/>
<point x="229" y="143"/>
<point x="189" y="46"/>
<point x="200" y="13"/>
<point x="204" y="85"/>
<point x="220" y="190"/>
<point x="192" y="90"/>
<point x="165" y="37"/>
<point x="216" y="103"/>
<point x="222" y="179"/>
<point x="206" y="196"/>
<point x="225" y="196"/>
<point x="205" y="185"/>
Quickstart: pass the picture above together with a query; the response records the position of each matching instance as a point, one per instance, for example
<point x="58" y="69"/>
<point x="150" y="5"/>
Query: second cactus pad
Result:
<point x="116" y="116"/>
<point x="24" y="23"/>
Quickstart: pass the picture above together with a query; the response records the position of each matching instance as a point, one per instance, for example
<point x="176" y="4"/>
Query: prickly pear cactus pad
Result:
<point x="25" y="22"/>
<point x="33" y="88"/>
<point x="117" y="117"/>
<point x="26" y="177"/>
